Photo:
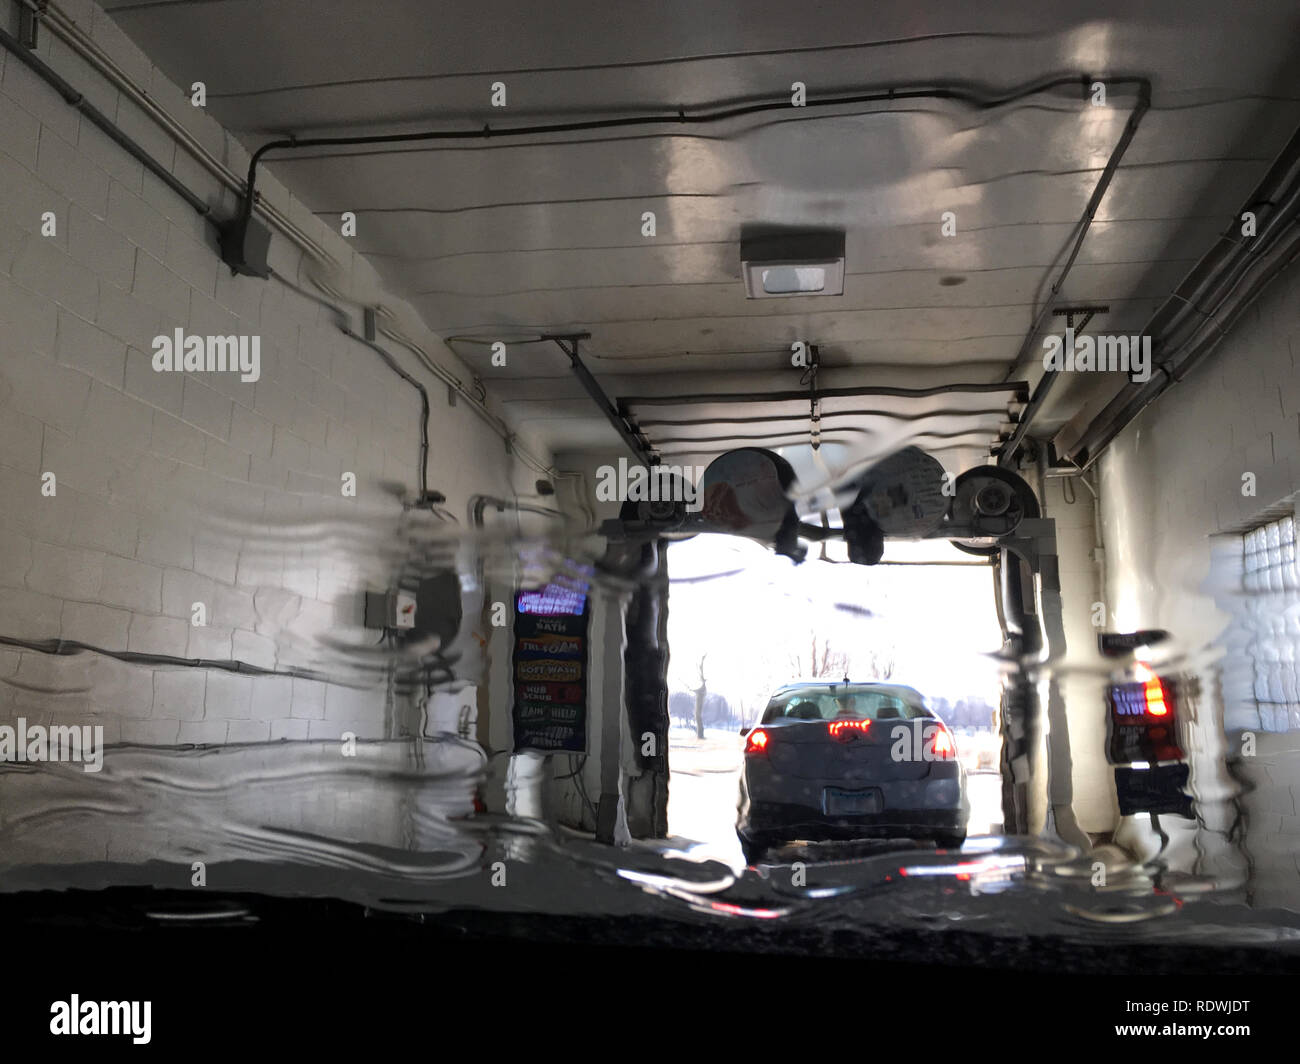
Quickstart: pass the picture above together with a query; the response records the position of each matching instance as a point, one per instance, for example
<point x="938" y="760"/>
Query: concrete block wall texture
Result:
<point x="1174" y="477"/>
<point x="247" y="798"/>
<point x="179" y="488"/>
<point x="1173" y="509"/>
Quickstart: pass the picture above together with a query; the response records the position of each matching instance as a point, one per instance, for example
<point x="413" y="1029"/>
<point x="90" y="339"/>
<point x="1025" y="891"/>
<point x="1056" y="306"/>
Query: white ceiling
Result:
<point x="504" y="238"/>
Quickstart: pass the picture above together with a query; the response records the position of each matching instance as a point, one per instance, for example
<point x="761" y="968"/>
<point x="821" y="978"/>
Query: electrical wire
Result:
<point x="1007" y="451"/>
<point x="345" y="327"/>
<point x="63" y="647"/>
<point x="486" y="341"/>
<point x="977" y="99"/>
<point x="479" y="399"/>
<point x="77" y="100"/>
<point x="582" y="763"/>
<point x="973" y="98"/>
<point x="344" y="324"/>
<point x="747" y="55"/>
<point x="86" y="48"/>
<point x="581" y="785"/>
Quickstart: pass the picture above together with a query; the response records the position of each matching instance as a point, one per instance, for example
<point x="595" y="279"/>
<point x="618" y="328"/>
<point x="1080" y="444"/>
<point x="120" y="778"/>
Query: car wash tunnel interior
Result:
<point x="587" y="458"/>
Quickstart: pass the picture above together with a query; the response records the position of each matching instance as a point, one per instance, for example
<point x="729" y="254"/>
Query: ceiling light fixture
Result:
<point x="793" y="264"/>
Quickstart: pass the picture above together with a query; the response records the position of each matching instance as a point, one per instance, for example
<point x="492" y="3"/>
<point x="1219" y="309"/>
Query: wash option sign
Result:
<point x="550" y="667"/>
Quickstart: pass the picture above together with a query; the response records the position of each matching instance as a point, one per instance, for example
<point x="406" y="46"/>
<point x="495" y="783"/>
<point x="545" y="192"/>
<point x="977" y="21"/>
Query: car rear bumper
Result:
<point x="923" y="807"/>
<point x="800" y="822"/>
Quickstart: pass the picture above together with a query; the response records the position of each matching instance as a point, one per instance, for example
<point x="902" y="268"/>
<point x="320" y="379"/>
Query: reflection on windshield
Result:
<point x="465" y="785"/>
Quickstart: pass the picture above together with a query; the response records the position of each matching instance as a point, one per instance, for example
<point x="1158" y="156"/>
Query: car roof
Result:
<point x="855" y="686"/>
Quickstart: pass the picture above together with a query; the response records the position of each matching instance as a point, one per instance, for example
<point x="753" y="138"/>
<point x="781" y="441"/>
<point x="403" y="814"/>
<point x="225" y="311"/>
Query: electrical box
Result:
<point x="245" y="243"/>
<point x="390" y="609"/>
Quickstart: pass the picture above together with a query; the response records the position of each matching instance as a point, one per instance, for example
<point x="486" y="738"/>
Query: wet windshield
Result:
<point x="791" y="481"/>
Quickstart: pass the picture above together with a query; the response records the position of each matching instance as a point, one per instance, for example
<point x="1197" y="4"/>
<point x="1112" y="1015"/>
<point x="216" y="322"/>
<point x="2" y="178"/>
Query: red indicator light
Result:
<point x="1155" y="696"/>
<point x="757" y="741"/>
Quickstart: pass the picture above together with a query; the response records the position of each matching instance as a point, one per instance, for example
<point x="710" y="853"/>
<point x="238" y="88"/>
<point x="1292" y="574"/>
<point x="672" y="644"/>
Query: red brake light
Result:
<point x="1155" y="696"/>
<point x="839" y="726"/>
<point x="943" y="744"/>
<point x="756" y="742"/>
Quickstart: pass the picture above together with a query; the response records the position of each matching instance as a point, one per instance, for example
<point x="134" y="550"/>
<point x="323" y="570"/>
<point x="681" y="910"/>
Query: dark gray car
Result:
<point x="849" y="761"/>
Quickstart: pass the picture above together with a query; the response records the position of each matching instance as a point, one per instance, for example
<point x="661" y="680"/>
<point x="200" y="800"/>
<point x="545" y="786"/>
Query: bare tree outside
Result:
<point x="876" y="663"/>
<point x="819" y="660"/>
<point x="823" y="659"/>
<point x="701" y="692"/>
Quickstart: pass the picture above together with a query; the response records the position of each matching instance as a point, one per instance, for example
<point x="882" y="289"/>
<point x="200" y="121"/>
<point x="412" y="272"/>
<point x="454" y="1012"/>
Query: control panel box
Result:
<point x="390" y="609"/>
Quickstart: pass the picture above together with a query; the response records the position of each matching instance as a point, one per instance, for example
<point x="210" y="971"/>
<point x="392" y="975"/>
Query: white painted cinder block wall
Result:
<point x="1171" y="483"/>
<point x="1081" y="756"/>
<point x="119" y="555"/>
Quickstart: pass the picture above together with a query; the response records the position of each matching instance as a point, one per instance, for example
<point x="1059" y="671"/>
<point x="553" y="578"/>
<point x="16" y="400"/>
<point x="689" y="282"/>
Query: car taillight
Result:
<point x="1155" y="696"/>
<point x="839" y="727"/>
<point x="756" y="743"/>
<point x="944" y="747"/>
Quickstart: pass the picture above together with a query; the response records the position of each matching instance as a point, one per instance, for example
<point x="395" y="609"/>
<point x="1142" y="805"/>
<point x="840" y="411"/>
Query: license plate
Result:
<point x="836" y="802"/>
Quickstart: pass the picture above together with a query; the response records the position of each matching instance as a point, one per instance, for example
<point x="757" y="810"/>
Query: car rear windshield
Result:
<point x="840" y="703"/>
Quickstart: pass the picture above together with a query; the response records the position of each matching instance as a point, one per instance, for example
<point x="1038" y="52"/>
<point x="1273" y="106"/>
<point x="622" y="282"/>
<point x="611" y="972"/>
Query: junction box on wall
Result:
<point x="390" y="609"/>
<point x="245" y="243"/>
<point x="429" y="605"/>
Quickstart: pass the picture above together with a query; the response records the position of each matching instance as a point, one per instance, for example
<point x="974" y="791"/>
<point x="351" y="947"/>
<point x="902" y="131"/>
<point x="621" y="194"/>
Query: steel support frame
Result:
<point x="568" y="343"/>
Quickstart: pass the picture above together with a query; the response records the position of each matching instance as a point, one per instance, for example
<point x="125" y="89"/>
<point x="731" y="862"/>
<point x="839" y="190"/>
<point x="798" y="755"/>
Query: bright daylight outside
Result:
<point x="744" y="622"/>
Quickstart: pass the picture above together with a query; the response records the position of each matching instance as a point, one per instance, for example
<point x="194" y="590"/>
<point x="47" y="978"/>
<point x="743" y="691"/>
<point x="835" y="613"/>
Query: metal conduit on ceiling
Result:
<point x="622" y="416"/>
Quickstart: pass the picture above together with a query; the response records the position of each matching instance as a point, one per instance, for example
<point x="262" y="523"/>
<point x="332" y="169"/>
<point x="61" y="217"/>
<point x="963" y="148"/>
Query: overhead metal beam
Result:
<point x="1007" y="454"/>
<point x="1085" y="223"/>
<point x="568" y="343"/>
